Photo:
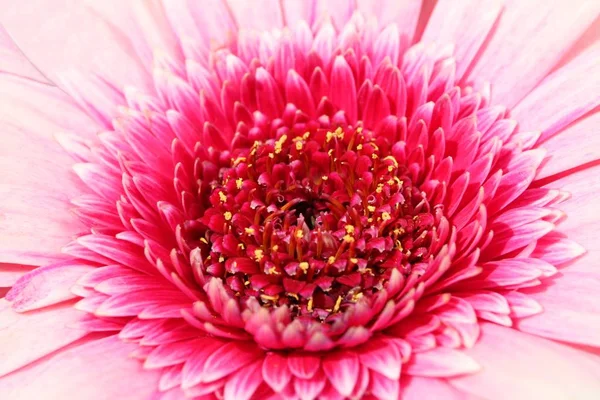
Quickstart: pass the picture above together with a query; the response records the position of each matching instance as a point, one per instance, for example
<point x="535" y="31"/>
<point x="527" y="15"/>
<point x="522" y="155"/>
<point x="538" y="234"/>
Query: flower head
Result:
<point x="298" y="200"/>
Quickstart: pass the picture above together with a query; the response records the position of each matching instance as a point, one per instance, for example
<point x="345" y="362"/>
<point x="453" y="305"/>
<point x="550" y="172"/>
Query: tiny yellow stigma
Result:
<point x="273" y="271"/>
<point x="309" y="306"/>
<point x="348" y="239"/>
<point x="221" y="258"/>
<point x="303" y="266"/>
<point x="379" y="188"/>
<point x="390" y="168"/>
<point x="349" y="228"/>
<point x="357" y="296"/>
<point x="399" y="245"/>
<point x="354" y="260"/>
<point x="258" y="254"/>
<point x="324" y="177"/>
<point x="371" y="208"/>
<point x="241" y="246"/>
<point x="249" y="231"/>
<point x="385" y="216"/>
<point x="331" y="260"/>
<point x="238" y="160"/>
<point x="299" y="234"/>
<point x="279" y="144"/>
<point x="298" y="145"/>
<point x="267" y="297"/>
<point x="203" y="240"/>
<point x="238" y="183"/>
<point x="222" y="197"/>
<point x="390" y="182"/>
<point x="227" y="216"/>
<point x="275" y="248"/>
<point x="337" y="305"/>
<point x="359" y="147"/>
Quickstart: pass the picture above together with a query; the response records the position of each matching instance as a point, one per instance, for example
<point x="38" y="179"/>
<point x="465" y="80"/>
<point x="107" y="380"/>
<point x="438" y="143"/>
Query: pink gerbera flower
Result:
<point x="299" y="200"/>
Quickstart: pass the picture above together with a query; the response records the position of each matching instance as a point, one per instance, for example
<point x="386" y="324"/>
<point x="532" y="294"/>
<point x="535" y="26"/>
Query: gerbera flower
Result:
<point x="299" y="200"/>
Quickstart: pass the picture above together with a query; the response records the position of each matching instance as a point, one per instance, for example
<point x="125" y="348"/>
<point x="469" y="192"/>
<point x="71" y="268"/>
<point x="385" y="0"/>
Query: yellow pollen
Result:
<point x="374" y="156"/>
<point x="354" y="260"/>
<point x="379" y="188"/>
<point x="241" y="246"/>
<point x="306" y="135"/>
<point x="359" y="147"/>
<point x="390" y="182"/>
<point x="309" y="306"/>
<point x="390" y="168"/>
<point x="279" y="144"/>
<point x="357" y="296"/>
<point x="348" y="239"/>
<point x="271" y="155"/>
<point x="249" y="231"/>
<point x="349" y="228"/>
<point x="275" y="248"/>
<point x="266" y="297"/>
<point x="324" y="177"/>
<point x="227" y="216"/>
<point x="203" y="240"/>
<point x="303" y="266"/>
<point x="294" y="295"/>
<point x="359" y="129"/>
<point x="298" y="146"/>
<point x="238" y="160"/>
<point x="371" y="208"/>
<point x="331" y="260"/>
<point x="386" y="216"/>
<point x="222" y="197"/>
<point x="369" y="220"/>
<point x="393" y="160"/>
<point x="338" y="302"/>
<point x="399" y="245"/>
<point x="273" y="271"/>
<point x="238" y="183"/>
<point x="299" y="234"/>
<point x="221" y="258"/>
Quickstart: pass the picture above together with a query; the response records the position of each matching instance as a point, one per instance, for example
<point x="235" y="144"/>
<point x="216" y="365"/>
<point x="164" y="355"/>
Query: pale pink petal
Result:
<point x="415" y="387"/>
<point x="543" y="32"/>
<point x="571" y="312"/>
<point x="46" y="286"/>
<point x="578" y="84"/>
<point x="403" y="13"/>
<point x="97" y="370"/>
<point x="464" y="24"/>
<point x="262" y="15"/>
<point x="42" y="29"/>
<point x="575" y="146"/>
<point x="10" y="273"/>
<point x="243" y="384"/>
<point x="516" y="365"/>
<point x="441" y="362"/>
<point x="12" y="60"/>
<point x="35" y="334"/>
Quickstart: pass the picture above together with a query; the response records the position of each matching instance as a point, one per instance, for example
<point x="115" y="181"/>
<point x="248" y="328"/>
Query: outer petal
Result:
<point x="530" y="39"/>
<point x="97" y="370"/>
<point x="570" y="302"/>
<point x="463" y="23"/>
<point x="12" y="61"/>
<point x="36" y="182"/>
<point x="564" y="96"/>
<point x="520" y="366"/>
<point x="27" y="337"/>
<point x="43" y="30"/>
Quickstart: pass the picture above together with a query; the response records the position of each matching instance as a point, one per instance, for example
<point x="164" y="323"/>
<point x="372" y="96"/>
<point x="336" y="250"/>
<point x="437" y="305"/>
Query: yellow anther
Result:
<point x="298" y="146"/>
<point x="303" y="266"/>
<point x="294" y="295"/>
<point x="273" y="271"/>
<point x="379" y="188"/>
<point x="331" y="260"/>
<point x="390" y="182"/>
<point x="299" y="234"/>
<point x="203" y="240"/>
<point x="275" y="248"/>
<point x="385" y="216"/>
<point x="374" y="156"/>
<point x="258" y="254"/>
<point x="354" y="260"/>
<point x="324" y="177"/>
<point x="337" y="305"/>
<point x="349" y="228"/>
<point x="359" y="147"/>
<point x="348" y="239"/>
<point x="267" y="297"/>
<point x="227" y="216"/>
<point x="369" y="220"/>
<point x="271" y="155"/>
<point x="241" y="246"/>
<point x="309" y="306"/>
<point x="249" y="231"/>
<point x="279" y="144"/>
<point x="357" y="296"/>
<point x="330" y="152"/>
<point x="390" y="168"/>
<point x="221" y="258"/>
<point x="371" y="208"/>
<point x="238" y="160"/>
<point x="222" y="197"/>
<point x="238" y="183"/>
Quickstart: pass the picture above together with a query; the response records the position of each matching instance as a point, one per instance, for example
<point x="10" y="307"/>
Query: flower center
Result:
<point x="314" y="222"/>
